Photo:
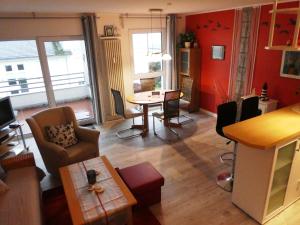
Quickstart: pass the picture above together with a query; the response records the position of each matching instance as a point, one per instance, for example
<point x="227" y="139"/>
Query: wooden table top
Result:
<point x="73" y="203"/>
<point x="146" y="97"/>
<point x="268" y="130"/>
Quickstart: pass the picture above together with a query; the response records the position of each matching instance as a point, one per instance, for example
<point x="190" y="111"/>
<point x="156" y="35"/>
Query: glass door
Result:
<point x="22" y="79"/>
<point x="69" y="77"/>
<point x="281" y="176"/>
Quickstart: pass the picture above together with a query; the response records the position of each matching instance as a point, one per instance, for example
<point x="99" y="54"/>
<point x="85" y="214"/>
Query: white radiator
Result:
<point x="114" y="68"/>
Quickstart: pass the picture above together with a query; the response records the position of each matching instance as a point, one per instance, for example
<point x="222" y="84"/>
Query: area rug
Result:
<point x="56" y="210"/>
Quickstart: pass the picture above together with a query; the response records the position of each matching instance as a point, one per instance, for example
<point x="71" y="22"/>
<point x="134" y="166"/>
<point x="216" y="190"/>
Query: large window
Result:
<point x="147" y="62"/>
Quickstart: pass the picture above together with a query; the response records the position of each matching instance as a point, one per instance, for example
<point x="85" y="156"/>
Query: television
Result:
<point x="7" y="115"/>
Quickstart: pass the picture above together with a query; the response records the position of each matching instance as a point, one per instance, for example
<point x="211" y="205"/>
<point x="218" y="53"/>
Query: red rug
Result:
<point x="56" y="210"/>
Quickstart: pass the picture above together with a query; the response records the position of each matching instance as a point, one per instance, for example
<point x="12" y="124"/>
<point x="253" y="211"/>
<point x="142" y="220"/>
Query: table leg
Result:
<point x="145" y="126"/>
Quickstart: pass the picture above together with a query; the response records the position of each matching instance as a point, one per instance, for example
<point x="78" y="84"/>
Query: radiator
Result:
<point x="114" y="68"/>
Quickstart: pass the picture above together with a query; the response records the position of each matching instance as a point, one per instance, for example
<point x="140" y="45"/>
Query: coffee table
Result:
<point x="113" y="206"/>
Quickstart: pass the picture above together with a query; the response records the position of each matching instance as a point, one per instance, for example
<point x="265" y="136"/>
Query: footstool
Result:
<point x="144" y="181"/>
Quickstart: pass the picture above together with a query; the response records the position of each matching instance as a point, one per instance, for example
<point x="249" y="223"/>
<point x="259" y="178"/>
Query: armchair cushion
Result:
<point x="63" y="135"/>
<point x="82" y="151"/>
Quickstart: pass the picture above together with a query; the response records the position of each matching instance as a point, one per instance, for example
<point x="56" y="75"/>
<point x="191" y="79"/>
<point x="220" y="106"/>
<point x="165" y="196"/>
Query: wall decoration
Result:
<point x="218" y="52"/>
<point x="290" y="64"/>
<point x="109" y="30"/>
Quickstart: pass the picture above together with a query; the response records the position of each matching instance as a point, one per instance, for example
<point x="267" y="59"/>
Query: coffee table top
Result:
<point x="86" y="207"/>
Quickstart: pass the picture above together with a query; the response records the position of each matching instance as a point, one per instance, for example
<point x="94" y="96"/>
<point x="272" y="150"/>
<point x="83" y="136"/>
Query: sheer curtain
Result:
<point x="243" y="51"/>
<point x="171" y="70"/>
<point x="91" y="45"/>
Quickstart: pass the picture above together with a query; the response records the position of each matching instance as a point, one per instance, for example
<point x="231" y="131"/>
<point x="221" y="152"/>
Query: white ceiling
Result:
<point x="122" y="6"/>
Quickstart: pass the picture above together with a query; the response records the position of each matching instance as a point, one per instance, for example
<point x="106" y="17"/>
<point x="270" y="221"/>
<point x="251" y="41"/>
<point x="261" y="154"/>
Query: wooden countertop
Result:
<point x="268" y="130"/>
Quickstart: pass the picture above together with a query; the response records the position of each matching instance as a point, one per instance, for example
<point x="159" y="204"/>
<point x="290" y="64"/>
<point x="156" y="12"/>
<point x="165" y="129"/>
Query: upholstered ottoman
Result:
<point x="144" y="181"/>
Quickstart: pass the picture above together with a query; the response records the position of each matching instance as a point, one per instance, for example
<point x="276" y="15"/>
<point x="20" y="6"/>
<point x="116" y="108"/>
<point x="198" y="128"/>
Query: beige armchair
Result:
<point x="55" y="156"/>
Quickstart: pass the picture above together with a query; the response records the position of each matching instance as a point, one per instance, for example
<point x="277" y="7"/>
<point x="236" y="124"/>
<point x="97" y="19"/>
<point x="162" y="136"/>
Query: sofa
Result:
<point x="21" y="204"/>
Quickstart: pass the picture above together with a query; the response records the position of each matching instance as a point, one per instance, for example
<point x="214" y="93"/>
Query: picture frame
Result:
<point x="290" y="64"/>
<point x="108" y="30"/>
<point x="218" y="52"/>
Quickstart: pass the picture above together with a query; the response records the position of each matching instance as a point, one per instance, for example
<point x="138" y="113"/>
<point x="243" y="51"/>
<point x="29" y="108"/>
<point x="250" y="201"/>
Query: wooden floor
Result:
<point x="190" y="165"/>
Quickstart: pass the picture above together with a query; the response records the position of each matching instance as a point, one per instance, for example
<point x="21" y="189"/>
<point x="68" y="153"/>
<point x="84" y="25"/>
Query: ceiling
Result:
<point x="122" y="6"/>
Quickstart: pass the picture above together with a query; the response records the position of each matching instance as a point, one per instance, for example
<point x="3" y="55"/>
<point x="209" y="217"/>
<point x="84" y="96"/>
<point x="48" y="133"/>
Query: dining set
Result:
<point x="169" y="99"/>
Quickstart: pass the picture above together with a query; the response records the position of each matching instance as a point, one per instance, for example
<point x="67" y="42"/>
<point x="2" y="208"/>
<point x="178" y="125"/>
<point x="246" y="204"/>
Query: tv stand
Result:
<point x="12" y="140"/>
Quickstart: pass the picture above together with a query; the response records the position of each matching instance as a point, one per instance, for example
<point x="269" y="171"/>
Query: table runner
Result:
<point x="112" y="198"/>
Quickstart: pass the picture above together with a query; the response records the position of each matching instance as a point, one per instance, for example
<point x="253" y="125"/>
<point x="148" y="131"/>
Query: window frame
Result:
<point x="150" y="74"/>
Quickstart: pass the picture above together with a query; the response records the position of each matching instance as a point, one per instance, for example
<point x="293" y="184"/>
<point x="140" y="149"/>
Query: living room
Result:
<point x="135" y="112"/>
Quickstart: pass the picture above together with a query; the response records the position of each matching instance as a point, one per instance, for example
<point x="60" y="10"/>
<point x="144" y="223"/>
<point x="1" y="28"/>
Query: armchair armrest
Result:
<point x="19" y="161"/>
<point x="86" y="134"/>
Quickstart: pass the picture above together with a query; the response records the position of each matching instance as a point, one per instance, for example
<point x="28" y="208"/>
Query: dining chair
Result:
<point x="226" y="115"/>
<point x="250" y="108"/>
<point x="125" y="113"/>
<point x="170" y="110"/>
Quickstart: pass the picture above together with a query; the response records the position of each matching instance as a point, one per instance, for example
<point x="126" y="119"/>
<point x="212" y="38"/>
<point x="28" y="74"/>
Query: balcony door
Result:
<point x="43" y="73"/>
<point x="67" y="76"/>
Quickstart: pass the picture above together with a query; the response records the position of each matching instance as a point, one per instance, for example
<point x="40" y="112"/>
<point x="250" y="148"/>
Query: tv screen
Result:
<point x="7" y="115"/>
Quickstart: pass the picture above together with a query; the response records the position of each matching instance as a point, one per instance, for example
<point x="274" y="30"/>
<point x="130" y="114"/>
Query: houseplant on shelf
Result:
<point x="185" y="39"/>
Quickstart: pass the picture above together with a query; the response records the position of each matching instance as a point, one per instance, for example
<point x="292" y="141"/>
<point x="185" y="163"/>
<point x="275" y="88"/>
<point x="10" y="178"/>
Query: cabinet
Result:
<point x="266" y="181"/>
<point x="267" y="106"/>
<point x="12" y="140"/>
<point x="189" y="75"/>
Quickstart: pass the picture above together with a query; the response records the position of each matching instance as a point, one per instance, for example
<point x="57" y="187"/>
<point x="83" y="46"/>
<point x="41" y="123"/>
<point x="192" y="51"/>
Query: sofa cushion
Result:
<point x="63" y="135"/>
<point x="3" y="187"/>
<point x="21" y="204"/>
<point x="141" y="178"/>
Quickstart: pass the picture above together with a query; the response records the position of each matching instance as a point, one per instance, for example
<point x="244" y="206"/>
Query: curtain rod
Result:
<point x="127" y="16"/>
<point x="34" y="16"/>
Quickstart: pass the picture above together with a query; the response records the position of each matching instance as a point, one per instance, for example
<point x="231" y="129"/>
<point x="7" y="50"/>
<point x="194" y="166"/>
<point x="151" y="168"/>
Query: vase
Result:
<point x="187" y="44"/>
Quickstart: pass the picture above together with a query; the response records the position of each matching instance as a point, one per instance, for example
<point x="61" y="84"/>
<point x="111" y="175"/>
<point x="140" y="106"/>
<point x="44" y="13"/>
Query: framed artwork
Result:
<point x="109" y="30"/>
<point x="218" y="52"/>
<point x="290" y="64"/>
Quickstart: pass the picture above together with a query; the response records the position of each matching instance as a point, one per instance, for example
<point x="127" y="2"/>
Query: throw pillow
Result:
<point x="63" y="135"/>
<point x="2" y="173"/>
<point x="3" y="187"/>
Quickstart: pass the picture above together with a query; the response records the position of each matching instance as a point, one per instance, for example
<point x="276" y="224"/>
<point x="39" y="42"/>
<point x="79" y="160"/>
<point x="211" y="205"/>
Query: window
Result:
<point x="24" y="85"/>
<point x="146" y="49"/>
<point x="13" y="83"/>
<point x="20" y="67"/>
<point x="8" y="68"/>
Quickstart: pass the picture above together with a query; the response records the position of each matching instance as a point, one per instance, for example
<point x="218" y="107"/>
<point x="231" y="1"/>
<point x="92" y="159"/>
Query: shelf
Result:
<point x="282" y="47"/>
<point x="286" y="11"/>
<point x="282" y="163"/>
<point x="278" y="189"/>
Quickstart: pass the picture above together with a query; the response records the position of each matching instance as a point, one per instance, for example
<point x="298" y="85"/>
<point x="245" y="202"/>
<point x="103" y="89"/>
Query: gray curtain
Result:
<point x="171" y="66"/>
<point x="91" y="45"/>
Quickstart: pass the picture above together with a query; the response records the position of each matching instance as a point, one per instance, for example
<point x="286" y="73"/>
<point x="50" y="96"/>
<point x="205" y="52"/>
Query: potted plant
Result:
<point x="187" y="38"/>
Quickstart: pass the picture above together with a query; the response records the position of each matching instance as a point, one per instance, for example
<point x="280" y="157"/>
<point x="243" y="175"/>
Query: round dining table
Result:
<point x="145" y="99"/>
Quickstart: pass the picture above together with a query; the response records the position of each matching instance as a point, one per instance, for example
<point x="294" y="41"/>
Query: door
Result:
<point x="293" y="190"/>
<point x="282" y="171"/>
<point x="69" y="77"/>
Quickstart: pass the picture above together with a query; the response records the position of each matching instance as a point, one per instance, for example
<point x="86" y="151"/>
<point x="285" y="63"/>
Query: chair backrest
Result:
<point x="250" y="108"/>
<point x="226" y="115"/>
<point x="171" y="104"/>
<point x="119" y="105"/>
<point x="147" y="84"/>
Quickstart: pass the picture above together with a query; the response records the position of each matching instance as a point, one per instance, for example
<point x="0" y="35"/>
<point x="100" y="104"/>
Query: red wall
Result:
<point x="267" y="65"/>
<point x="213" y="29"/>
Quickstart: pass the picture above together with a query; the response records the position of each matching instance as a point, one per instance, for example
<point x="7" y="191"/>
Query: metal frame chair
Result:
<point x="171" y="110"/>
<point x="126" y="114"/>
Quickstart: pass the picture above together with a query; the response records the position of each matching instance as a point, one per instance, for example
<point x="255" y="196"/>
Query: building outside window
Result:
<point x="13" y="83"/>
<point x="24" y="85"/>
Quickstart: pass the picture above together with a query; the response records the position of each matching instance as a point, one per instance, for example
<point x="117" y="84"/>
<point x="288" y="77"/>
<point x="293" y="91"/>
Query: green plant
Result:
<point x="186" y="37"/>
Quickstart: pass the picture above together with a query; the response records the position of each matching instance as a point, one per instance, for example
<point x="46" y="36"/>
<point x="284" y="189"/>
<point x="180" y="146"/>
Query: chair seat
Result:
<point x="131" y="113"/>
<point x="81" y="151"/>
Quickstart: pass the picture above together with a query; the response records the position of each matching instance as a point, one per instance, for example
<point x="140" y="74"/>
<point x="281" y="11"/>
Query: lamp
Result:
<point x="164" y="55"/>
